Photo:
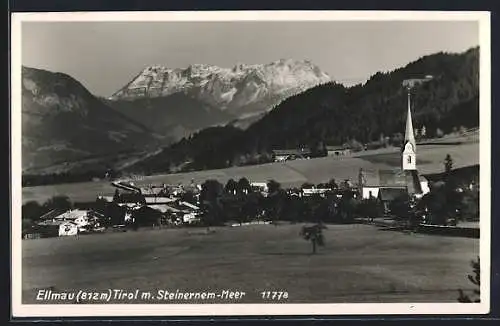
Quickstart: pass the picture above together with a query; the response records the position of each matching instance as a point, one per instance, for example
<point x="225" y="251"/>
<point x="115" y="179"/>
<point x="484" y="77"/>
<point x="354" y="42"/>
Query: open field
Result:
<point x="292" y="173"/>
<point x="360" y="263"/>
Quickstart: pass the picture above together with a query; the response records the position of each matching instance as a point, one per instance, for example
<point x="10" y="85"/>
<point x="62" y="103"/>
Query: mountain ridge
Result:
<point x="63" y="121"/>
<point x="332" y="114"/>
<point x="226" y="88"/>
<point x="205" y="95"/>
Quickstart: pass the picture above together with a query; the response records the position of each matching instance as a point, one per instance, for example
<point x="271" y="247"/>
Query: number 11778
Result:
<point x="274" y="295"/>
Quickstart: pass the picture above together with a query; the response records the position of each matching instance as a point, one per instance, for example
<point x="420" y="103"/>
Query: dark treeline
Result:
<point x="237" y="202"/>
<point x="454" y="195"/>
<point x="67" y="177"/>
<point x="331" y="114"/>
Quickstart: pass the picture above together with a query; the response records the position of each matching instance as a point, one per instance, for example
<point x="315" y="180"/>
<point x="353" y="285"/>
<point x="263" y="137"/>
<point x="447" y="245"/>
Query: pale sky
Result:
<point x="104" y="56"/>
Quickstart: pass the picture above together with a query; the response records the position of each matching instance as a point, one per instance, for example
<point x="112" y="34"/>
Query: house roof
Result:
<point x="393" y="178"/>
<point x="93" y="213"/>
<point x="109" y="199"/>
<point x="336" y="148"/>
<point x="164" y="208"/>
<point x="389" y="194"/>
<point x="129" y="205"/>
<point x="71" y="214"/>
<point x="158" y="200"/>
<point x="184" y="203"/>
<point x="384" y="178"/>
<point x="51" y="214"/>
<point x="54" y="223"/>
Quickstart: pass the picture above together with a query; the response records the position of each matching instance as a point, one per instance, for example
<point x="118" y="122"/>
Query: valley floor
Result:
<point x="430" y="159"/>
<point x="359" y="263"/>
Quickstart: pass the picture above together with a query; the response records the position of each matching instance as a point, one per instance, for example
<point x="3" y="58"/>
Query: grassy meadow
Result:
<point x="360" y="263"/>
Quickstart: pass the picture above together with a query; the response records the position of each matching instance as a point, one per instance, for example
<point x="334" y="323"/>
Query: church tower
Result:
<point x="409" y="153"/>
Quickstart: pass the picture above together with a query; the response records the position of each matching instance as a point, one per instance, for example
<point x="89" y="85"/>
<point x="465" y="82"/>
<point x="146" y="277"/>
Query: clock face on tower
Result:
<point x="409" y="148"/>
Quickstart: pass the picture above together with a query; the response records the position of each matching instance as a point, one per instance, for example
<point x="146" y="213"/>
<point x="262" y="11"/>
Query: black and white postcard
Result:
<point x="250" y="163"/>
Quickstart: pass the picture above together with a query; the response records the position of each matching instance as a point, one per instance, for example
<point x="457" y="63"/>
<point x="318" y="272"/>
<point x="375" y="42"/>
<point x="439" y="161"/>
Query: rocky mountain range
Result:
<point x="284" y="104"/>
<point x="64" y="123"/>
<point x="239" y="94"/>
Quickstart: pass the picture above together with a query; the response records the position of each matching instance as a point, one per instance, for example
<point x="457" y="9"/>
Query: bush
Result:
<point x="58" y="202"/>
<point x="474" y="279"/>
<point x="32" y="210"/>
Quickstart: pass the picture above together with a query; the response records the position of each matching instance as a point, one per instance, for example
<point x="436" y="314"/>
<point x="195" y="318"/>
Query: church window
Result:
<point x="409" y="159"/>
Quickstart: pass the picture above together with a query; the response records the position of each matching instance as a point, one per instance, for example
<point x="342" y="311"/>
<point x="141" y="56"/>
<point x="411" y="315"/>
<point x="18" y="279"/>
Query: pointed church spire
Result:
<point x="409" y="134"/>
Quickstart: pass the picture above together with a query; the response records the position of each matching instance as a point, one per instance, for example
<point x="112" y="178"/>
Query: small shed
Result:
<point x="338" y="151"/>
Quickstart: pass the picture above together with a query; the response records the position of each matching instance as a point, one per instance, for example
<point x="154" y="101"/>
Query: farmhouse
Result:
<point x="338" y="151"/>
<point x="54" y="228"/>
<point x="76" y="216"/>
<point x="281" y="155"/>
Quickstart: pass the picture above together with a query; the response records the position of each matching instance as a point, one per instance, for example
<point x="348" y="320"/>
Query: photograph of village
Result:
<point x="250" y="162"/>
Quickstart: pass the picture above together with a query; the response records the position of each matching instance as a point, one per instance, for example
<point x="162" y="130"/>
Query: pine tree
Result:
<point x="474" y="279"/>
<point x="116" y="196"/>
<point x="448" y="164"/>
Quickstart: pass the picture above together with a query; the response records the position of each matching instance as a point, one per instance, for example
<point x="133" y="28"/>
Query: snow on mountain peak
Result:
<point x="225" y="87"/>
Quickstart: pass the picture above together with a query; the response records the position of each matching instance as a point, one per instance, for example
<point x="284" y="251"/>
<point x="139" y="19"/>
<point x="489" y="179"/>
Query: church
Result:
<point x="386" y="185"/>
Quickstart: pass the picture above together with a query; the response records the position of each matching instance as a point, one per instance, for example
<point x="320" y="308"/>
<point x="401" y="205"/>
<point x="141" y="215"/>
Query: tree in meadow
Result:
<point x="314" y="234"/>
<point x="448" y="164"/>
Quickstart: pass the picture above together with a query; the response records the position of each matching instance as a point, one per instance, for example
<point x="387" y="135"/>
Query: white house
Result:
<point x="314" y="191"/>
<point x="260" y="187"/>
<point x="76" y="216"/>
<point x="370" y="192"/>
<point x="190" y="218"/>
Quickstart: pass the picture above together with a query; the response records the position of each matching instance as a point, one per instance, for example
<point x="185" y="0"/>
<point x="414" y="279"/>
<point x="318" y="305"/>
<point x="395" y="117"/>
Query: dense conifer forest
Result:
<point x="332" y="114"/>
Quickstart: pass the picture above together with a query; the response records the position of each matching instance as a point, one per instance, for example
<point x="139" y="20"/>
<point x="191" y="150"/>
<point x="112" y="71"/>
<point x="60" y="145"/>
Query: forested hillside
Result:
<point x="335" y="114"/>
<point x="331" y="114"/>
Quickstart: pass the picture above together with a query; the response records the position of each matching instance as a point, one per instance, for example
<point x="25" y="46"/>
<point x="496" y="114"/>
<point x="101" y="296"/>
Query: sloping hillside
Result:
<point x="175" y="116"/>
<point x="333" y="114"/>
<point x="63" y="122"/>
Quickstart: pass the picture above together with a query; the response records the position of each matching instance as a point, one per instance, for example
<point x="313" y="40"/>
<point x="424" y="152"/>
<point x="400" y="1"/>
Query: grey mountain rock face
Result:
<point x="240" y="90"/>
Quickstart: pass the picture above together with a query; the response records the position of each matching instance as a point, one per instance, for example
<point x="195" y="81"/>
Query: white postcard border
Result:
<point x="110" y="310"/>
